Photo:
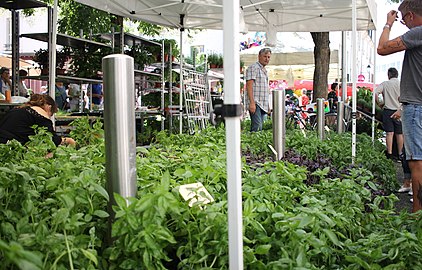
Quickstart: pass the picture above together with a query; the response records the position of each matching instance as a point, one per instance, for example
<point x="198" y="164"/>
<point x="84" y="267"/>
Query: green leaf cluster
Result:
<point x="53" y="209"/>
<point x="53" y="213"/>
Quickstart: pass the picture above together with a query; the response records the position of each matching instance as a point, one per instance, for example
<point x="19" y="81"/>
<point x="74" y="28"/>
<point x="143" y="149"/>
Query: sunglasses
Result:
<point x="403" y="18"/>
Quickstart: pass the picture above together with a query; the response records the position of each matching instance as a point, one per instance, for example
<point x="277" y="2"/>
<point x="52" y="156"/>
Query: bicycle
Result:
<point x="299" y="118"/>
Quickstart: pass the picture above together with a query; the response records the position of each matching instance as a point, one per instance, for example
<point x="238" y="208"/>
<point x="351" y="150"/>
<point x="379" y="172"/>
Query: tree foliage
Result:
<point x="74" y="17"/>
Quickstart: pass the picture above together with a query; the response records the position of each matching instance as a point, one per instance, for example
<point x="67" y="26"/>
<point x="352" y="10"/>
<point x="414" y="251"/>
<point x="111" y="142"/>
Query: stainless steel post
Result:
<point x="279" y="122"/>
<point x="163" y="84"/>
<point x="343" y="67"/>
<point x="340" y="117"/>
<point x="119" y="125"/>
<point x="170" y="113"/>
<point x="321" y="118"/>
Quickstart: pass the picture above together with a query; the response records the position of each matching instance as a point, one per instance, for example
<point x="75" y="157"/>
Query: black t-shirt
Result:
<point x="332" y="95"/>
<point x="17" y="124"/>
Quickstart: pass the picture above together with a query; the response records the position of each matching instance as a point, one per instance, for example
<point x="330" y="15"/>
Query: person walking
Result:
<point x="407" y="181"/>
<point x="390" y="91"/>
<point x="410" y="85"/>
<point x="258" y="90"/>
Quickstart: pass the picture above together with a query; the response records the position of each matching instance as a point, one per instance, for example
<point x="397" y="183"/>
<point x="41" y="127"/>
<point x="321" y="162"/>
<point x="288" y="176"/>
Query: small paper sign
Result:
<point x="196" y="194"/>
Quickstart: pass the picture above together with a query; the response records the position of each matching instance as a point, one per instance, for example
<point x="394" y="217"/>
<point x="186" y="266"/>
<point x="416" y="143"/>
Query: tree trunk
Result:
<point x="322" y="64"/>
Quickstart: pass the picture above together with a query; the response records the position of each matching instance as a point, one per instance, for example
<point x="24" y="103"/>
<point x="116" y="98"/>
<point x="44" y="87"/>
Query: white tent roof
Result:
<point x="282" y="15"/>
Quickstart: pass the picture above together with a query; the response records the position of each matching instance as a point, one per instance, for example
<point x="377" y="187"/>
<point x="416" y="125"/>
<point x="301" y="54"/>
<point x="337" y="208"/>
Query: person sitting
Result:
<point x="18" y="123"/>
<point x="5" y="82"/>
<point x="74" y="97"/>
<point x="304" y="99"/>
<point x="97" y="92"/>
<point x="23" y="90"/>
<point x="61" y="96"/>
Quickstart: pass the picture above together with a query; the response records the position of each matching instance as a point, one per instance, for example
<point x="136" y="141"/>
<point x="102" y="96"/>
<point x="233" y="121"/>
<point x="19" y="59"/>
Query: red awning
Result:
<point x="309" y="85"/>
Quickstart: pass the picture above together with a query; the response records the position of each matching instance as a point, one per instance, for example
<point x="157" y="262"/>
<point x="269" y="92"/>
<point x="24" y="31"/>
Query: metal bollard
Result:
<point x="321" y="119"/>
<point x="279" y="122"/>
<point x="340" y="117"/>
<point x="119" y="125"/>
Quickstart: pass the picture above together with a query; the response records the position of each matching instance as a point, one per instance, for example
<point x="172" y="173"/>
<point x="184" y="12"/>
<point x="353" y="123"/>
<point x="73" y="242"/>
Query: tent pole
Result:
<point x="181" y="78"/>
<point x="373" y="85"/>
<point x="232" y="100"/>
<point x="354" y="95"/>
<point x="170" y="116"/>
<point x="15" y="52"/>
<point x="343" y="67"/>
<point x="52" y="25"/>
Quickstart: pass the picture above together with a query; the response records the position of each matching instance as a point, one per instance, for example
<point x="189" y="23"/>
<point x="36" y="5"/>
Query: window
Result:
<point x="8" y="44"/>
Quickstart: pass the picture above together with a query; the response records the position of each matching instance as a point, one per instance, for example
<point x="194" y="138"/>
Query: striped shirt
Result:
<point x="261" y="87"/>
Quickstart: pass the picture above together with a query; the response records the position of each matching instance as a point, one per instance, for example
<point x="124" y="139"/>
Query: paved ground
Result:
<point x="404" y="203"/>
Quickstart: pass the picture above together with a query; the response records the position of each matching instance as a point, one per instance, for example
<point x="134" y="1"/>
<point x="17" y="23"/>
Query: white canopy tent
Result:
<point x="293" y="51"/>
<point x="259" y="15"/>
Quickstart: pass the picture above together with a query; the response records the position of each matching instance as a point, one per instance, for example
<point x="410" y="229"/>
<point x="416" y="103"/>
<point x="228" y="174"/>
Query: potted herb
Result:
<point x="42" y="58"/>
<point x="242" y="66"/>
<point x="168" y="43"/>
<point x="62" y="57"/>
<point x="220" y="61"/>
<point x="155" y="51"/>
<point x="141" y="56"/>
<point x="86" y="62"/>
<point x="213" y="60"/>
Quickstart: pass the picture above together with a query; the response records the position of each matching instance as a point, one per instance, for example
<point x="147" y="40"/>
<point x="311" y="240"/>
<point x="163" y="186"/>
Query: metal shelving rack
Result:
<point x="197" y="99"/>
<point x="143" y="83"/>
<point x="141" y="77"/>
<point x="69" y="41"/>
<point x="14" y="6"/>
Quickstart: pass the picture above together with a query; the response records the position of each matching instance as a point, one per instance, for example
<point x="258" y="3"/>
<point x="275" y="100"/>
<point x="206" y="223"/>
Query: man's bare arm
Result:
<point x="385" y="45"/>
<point x="390" y="46"/>
<point x="249" y="90"/>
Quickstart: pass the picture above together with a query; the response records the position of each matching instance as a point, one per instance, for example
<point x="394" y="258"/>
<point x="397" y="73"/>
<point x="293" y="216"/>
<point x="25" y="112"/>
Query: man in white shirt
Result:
<point x="390" y="91"/>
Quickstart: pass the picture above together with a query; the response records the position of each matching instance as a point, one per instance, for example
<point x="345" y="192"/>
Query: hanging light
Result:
<point x="368" y="68"/>
<point x="242" y="25"/>
<point x="271" y="30"/>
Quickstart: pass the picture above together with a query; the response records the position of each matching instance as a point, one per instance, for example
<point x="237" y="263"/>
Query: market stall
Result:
<point x="271" y="16"/>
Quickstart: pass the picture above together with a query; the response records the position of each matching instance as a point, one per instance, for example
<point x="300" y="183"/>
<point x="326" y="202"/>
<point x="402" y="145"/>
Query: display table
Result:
<point x="70" y="118"/>
<point x="62" y="122"/>
<point x="7" y="106"/>
<point x="142" y="114"/>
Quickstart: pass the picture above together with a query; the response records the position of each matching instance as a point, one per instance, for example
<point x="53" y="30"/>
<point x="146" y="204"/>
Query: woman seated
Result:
<point x="17" y="123"/>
